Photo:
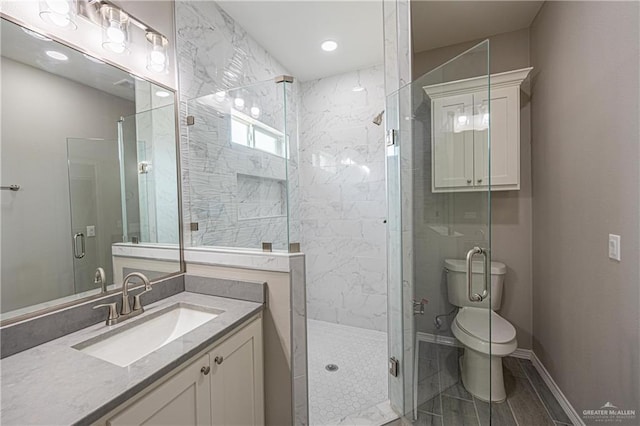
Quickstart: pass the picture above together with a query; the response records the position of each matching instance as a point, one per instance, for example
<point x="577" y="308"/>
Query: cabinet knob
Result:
<point x="218" y="360"/>
<point x="205" y="370"/>
<point x="468" y="180"/>
<point x="479" y="180"/>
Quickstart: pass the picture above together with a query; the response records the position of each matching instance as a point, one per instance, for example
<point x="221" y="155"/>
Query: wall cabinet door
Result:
<point x="452" y="142"/>
<point x="237" y="396"/>
<point x="184" y="399"/>
<point x="505" y="140"/>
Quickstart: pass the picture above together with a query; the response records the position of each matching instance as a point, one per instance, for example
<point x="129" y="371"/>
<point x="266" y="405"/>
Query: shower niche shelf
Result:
<point x="461" y="113"/>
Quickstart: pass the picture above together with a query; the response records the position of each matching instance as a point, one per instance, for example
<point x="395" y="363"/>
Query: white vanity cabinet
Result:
<point x="222" y="387"/>
<point x="460" y="117"/>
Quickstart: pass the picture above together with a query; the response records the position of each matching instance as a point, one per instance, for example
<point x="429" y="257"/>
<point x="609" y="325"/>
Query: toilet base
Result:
<point x="482" y="376"/>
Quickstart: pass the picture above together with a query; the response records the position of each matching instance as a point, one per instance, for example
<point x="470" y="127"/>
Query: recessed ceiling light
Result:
<point x="358" y="89"/>
<point x="329" y="45"/>
<point x="57" y="55"/>
<point x="162" y="94"/>
<point x="36" y="35"/>
<point x="92" y="59"/>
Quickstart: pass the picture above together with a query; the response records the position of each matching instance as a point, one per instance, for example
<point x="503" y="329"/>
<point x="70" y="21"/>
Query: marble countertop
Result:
<point x="56" y="384"/>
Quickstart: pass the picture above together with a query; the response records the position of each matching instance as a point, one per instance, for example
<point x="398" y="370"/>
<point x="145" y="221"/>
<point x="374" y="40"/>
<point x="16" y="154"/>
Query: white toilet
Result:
<point x="481" y="364"/>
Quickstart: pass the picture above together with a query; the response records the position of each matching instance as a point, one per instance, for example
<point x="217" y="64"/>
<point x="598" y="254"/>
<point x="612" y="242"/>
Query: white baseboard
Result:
<point x="555" y="390"/>
<point x="452" y="341"/>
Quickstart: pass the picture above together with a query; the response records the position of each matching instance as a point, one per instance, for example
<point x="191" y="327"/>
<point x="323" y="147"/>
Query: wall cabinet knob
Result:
<point x="205" y="370"/>
<point x="479" y="180"/>
<point x="218" y="360"/>
<point x="468" y="180"/>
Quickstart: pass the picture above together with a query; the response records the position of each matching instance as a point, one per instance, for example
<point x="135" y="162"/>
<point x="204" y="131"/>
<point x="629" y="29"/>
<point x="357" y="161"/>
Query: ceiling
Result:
<point x="292" y="31"/>
<point x="21" y="47"/>
<point x="443" y="23"/>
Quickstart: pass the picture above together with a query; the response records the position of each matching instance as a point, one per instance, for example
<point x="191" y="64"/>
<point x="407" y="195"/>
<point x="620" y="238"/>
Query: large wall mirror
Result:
<point x="88" y="172"/>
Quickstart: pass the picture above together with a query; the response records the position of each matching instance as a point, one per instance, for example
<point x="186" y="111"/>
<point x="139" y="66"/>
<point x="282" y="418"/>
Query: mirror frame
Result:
<point x="176" y="102"/>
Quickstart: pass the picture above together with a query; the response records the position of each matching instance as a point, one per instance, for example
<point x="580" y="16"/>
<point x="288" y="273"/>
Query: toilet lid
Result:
<point x="475" y="322"/>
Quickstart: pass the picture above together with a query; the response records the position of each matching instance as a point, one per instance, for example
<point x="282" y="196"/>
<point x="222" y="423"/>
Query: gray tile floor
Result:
<point x="443" y="400"/>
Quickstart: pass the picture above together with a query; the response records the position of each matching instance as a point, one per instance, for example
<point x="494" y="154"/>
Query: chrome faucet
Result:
<point x="101" y="278"/>
<point x="126" y="311"/>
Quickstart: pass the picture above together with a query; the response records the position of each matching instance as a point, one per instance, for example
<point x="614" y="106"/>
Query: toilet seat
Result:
<point x="471" y="328"/>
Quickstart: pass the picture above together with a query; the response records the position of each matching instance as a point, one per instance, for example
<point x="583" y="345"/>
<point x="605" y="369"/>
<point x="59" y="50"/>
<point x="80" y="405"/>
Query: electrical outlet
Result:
<point x="614" y="247"/>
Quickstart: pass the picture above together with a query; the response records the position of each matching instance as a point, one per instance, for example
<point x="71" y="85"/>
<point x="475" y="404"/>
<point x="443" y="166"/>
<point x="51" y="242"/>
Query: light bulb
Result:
<point x="60" y="7"/>
<point x="115" y="33"/>
<point x="158" y="57"/>
<point x="239" y="103"/>
<point x="255" y="112"/>
<point x="221" y="95"/>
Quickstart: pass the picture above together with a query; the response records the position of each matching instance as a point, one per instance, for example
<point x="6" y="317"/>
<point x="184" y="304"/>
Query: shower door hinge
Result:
<point x="391" y="137"/>
<point x="394" y="366"/>
<point x="191" y="120"/>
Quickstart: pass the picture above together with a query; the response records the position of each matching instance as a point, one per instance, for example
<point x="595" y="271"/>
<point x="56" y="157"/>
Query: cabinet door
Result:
<point x="452" y="142"/>
<point x="505" y="140"/>
<point x="185" y="399"/>
<point x="237" y="394"/>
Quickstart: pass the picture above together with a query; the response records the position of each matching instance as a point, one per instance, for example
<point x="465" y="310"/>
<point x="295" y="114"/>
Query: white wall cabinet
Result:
<point x="461" y="113"/>
<point x="222" y="387"/>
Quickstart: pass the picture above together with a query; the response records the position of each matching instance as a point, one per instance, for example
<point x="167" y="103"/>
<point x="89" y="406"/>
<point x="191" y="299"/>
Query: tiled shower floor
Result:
<point x="361" y="379"/>
<point x="443" y="400"/>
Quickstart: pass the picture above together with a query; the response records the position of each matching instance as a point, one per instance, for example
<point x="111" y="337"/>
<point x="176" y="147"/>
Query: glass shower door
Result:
<point x="438" y="172"/>
<point x="94" y="191"/>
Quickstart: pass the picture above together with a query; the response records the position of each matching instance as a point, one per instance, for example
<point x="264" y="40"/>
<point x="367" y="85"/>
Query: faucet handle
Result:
<point x="113" y="311"/>
<point x="137" y="304"/>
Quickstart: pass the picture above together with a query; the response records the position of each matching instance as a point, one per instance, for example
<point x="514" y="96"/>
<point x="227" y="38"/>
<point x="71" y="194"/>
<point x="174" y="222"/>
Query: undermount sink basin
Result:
<point x="142" y="336"/>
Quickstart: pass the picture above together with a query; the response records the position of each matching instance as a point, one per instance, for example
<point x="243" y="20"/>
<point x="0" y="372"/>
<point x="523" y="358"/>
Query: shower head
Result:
<point x="377" y="120"/>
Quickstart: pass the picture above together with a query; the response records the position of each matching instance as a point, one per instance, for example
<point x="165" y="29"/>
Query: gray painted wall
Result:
<point x="511" y="210"/>
<point x="585" y="186"/>
<point x="40" y="111"/>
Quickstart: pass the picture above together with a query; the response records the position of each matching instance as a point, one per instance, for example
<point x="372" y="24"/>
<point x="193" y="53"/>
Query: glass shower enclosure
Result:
<point x="243" y="161"/>
<point x="439" y="200"/>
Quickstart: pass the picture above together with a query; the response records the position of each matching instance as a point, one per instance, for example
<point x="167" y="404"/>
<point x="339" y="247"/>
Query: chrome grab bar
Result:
<point x="77" y="255"/>
<point x="10" y="188"/>
<point x="485" y="292"/>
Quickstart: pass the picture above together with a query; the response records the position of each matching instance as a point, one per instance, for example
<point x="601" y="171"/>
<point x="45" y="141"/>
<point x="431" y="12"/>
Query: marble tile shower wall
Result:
<point x="343" y="202"/>
<point x="214" y="54"/>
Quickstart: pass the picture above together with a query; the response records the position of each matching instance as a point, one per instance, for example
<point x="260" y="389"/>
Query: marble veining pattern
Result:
<point x="343" y="204"/>
<point x="216" y="54"/>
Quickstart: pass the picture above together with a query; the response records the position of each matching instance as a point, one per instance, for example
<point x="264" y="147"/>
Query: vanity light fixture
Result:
<point x="54" y="54"/>
<point x="162" y="94"/>
<point x="157" y="56"/>
<point x="329" y="45"/>
<point x="255" y="111"/>
<point x="61" y="13"/>
<point x="35" y="34"/>
<point x="239" y="103"/>
<point x="115" y="29"/>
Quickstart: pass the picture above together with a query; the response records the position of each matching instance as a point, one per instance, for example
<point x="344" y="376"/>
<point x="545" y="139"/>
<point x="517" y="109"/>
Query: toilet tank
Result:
<point x="456" y="270"/>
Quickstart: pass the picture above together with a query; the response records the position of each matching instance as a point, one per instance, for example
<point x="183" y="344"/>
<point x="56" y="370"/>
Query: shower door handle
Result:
<point x="78" y="237"/>
<point x="485" y="292"/>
